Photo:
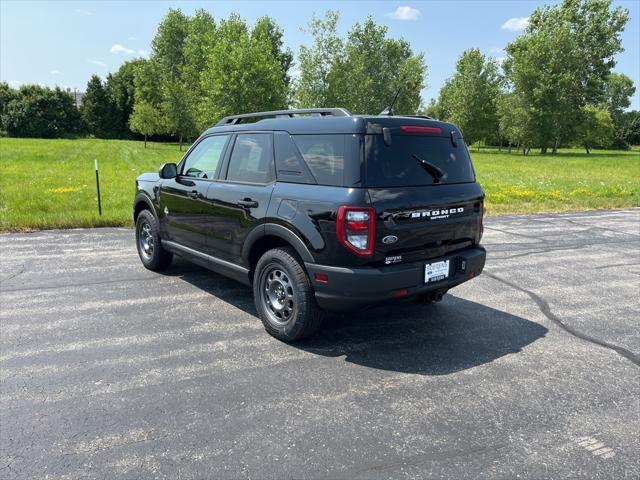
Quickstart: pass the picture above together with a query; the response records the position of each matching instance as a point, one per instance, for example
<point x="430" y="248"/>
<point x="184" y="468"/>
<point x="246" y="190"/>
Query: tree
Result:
<point x="98" y="111"/>
<point x="147" y="83"/>
<point x="469" y="98"/>
<point x="375" y="69"/>
<point x="516" y="123"/>
<point x="363" y="73"/>
<point x="596" y="127"/>
<point x="35" y="111"/>
<point x="267" y="30"/>
<point x="197" y="48"/>
<point x="7" y="94"/>
<point x="313" y="88"/>
<point x="631" y="127"/>
<point x="561" y="63"/>
<point x="241" y="75"/>
<point x="168" y="44"/>
<point x="169" y="63"/>
<point x="433" y="109"/>
<point x="120" y="87"/>
<point x="146" y="120"/>
<point x="618" y="92"/>
<point x="175" y="107"/>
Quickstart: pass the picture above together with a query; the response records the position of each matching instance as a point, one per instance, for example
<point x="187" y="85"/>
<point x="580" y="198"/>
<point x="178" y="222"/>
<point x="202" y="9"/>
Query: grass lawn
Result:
<point x="570" y="181"/>
<point x="51" y="183"/>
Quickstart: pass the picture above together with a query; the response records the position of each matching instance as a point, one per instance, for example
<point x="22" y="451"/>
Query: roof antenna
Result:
<point x="388" y="111"/>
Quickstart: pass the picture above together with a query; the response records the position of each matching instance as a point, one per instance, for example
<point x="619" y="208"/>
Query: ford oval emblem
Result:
<point x="390" y="239"/>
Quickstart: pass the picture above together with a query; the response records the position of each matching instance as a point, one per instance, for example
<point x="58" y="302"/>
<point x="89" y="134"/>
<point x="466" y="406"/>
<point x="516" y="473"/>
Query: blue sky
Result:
<point x="63" y="43"/>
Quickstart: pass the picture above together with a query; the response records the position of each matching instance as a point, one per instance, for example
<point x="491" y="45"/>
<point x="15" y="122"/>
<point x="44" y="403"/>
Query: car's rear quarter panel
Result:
<point x="310" y="212"/>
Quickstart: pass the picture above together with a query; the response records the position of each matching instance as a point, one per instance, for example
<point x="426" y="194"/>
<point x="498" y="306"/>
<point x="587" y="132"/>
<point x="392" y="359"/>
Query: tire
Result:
<point x="284" y="297"/>
<point x="150" y="250"/>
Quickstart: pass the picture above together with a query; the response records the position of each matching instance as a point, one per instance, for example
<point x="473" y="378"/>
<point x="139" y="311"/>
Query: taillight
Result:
<point x="356" y="229"/>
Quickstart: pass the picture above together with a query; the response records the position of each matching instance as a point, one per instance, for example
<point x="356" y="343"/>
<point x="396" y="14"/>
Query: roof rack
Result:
<point x="320" y="112"/>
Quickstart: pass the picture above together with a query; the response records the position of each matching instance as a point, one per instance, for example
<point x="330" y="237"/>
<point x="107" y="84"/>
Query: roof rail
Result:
<point x="334" y="112"/>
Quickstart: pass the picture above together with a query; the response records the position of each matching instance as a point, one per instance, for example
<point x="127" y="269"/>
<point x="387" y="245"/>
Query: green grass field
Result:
<point x="51" y="183"/>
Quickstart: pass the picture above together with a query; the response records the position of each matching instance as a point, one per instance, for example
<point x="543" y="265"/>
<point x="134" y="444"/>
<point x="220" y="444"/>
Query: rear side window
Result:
<point x="252" y="159"/>
<point x="290" y="166"/>
<point x="401" y="163"/>
<point x="325" y="156"/>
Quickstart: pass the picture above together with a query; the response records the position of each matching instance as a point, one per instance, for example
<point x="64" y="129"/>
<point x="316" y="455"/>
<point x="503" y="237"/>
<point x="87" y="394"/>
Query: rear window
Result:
<point x="396" y="165"/>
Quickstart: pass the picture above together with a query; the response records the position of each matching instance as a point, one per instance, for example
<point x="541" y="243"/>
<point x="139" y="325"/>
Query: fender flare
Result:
<point x="276" y="230"/>
<point x="143" y="198"/>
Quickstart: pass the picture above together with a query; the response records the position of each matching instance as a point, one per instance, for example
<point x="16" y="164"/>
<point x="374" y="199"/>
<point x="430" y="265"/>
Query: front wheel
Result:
<point x="150" y="250"/>
<point x="284" y="297"/>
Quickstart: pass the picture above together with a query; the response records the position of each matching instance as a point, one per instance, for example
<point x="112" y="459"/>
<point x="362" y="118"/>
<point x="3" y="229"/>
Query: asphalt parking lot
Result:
<point x="529" y="371"/>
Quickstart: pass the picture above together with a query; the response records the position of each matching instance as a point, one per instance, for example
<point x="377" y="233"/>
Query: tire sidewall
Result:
<point x="262" y="270"/>
<point x="152" y="262"/>
<point x="304" y="296"/>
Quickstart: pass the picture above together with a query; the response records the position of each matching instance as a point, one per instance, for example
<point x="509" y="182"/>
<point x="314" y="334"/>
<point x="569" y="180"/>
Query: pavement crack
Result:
<point x="516" y="234"/>
<point x="539" y="251"/>
<point x="20" y="271"/>
<point x="589" y="226"/>
<point x="544" y="307"/>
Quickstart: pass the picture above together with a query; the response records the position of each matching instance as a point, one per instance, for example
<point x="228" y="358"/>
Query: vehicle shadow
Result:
<point x="433" y="339"/>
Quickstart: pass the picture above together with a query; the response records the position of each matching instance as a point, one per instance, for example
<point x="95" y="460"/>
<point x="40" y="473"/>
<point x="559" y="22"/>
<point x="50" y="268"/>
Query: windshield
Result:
<point x="403" y="163"/>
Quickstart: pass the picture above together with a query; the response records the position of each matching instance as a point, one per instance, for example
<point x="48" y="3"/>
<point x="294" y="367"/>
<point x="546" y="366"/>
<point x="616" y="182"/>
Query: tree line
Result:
<point x="555" y="87"/>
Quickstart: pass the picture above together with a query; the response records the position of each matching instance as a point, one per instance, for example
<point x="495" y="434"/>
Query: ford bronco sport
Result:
<point x="319" y="210"/>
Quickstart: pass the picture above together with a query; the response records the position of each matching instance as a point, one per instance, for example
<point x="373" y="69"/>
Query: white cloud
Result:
<point x="14" y="83"/>
<point x="96" y="62"/>
<point x="117" y="48"/>
<point x="497" y="50"/>
<point x="143" y="53"/>
<point x="516" y="24"/>
<point x="84" y="13"/>
<point x="132" y="39"/>
<point x="404" y="13"/>
<point x="54" y="72"/>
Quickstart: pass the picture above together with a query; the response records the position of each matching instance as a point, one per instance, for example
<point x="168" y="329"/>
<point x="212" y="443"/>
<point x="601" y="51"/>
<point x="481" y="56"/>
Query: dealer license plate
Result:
<point x="434" y="272"/>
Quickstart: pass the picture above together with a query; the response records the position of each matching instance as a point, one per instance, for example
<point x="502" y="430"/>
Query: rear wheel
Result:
<point x="150" y="250"/>
<point x="284" y="297"/>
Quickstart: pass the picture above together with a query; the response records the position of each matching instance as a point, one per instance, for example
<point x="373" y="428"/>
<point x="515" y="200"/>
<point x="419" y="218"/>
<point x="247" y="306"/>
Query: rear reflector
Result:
<point x="403" y="292"/>
<point x="321" y="277"/>
<point x="415" y="129"/>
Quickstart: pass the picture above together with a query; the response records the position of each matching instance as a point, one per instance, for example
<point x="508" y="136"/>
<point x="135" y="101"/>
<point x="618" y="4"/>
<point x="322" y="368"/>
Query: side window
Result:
<point x="290" y="166"/>
<point x="203" y="160"/>
<point x="252" y="159"/>
<point x="324" y="155"/>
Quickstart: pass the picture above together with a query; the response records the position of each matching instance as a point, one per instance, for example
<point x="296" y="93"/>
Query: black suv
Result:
<point x="319" y="210"/>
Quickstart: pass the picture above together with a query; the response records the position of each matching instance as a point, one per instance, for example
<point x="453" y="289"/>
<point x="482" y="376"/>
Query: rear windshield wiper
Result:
<point x="432" y="169"/>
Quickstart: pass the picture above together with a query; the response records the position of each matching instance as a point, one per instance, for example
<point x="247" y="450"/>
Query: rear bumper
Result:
<point x="353" y="288"/>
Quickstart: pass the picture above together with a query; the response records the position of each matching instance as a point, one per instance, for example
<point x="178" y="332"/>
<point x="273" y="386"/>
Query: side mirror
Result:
<point x="169" y="170"/>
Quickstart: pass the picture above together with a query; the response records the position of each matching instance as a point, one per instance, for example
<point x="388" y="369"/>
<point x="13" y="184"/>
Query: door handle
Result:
<point x="248" y="203"/>
<point x="193" y="194"/>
